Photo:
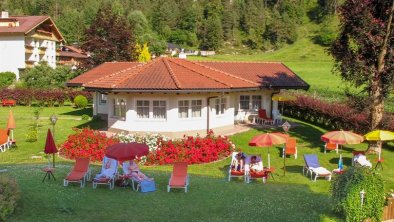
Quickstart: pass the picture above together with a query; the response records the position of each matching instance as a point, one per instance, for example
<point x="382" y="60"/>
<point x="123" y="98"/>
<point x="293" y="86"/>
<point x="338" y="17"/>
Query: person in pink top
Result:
<point x="136" y="173"/>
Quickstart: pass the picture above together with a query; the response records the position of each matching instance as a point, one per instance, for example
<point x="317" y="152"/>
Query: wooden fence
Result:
<point x="388" y="211"/>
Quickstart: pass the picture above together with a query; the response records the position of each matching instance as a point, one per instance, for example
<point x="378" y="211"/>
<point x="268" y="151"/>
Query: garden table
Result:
<point x="48" y="173"/>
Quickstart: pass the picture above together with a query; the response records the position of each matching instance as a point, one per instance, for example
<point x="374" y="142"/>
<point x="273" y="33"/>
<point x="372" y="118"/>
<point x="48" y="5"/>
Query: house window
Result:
<point x="142" y="109"/>
<point x="159" y="109"/>
<point x="119" y="108"/>
<point x="220" y="105"/>
<point x="256" y="102"/>
<point x="244" y="102"/>
<point x="102" y="99"/>
<point x="183" y="109"/>
<point x="196" y="108"/>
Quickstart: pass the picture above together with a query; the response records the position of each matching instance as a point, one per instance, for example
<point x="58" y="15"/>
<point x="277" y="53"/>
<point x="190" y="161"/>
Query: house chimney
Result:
<point x="4" y="14"/>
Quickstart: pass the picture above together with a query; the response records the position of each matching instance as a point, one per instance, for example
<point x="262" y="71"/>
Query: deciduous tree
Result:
<point x="109" y="38"/>
<point x="363" y="51"/>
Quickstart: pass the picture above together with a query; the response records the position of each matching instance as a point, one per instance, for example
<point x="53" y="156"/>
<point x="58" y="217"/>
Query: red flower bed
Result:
<point x="191" y="149"/>
<point x="86" y="143"/>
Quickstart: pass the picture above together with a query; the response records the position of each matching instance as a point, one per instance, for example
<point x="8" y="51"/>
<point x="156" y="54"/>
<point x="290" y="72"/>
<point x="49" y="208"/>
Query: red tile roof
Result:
<point x="180" y="74"/>
<point x="27" y="24"/>
<point x="103" y="70"/>
<point x="268" y="74"/>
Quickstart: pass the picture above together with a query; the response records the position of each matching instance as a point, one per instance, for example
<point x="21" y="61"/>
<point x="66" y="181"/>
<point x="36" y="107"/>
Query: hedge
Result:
<point x="48" y="97"/>
<point x="332" y="115"/>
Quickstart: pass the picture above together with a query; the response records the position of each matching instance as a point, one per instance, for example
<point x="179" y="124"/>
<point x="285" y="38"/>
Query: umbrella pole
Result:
<point x="284" y="164"/>
<point x="53" y="155"/>
<point x="269" y="159"/>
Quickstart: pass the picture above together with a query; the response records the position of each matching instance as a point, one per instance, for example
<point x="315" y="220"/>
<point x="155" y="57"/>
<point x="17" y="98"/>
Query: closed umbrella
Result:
<point x="267" y="140"/>
<point x="11" y="124"/>
<point x="50" y="146"/>
<point x="126" y="151"/>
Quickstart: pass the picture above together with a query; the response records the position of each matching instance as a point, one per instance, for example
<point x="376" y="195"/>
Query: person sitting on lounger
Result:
<point x="136" y="173"/>
<point x="239" y="163"/>
<point x="255" y="167"/>
<point x="106" y="171"/>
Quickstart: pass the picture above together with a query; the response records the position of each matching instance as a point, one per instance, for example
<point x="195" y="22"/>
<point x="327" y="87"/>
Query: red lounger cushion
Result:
<point x="237" y="173"/>
<point x="178" y="181"/>
<point x="258" y="174"/>
<point x="75" y="176"/>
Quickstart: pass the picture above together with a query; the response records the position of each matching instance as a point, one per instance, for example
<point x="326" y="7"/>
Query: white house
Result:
<point x="27" y="40"/>
<point x="176" y="96"/>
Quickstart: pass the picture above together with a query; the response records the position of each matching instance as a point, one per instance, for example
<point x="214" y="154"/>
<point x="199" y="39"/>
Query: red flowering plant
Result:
<point x="86" y="143"/>
<point x="191" y="149"/>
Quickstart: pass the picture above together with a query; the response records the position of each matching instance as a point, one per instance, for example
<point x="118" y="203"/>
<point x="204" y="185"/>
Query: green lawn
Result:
<point x="211" y="198"/>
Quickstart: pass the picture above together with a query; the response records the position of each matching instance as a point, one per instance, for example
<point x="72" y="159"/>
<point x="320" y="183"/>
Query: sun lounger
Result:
<point x="313" y="167"/>
<point x="179" y="177"/>
<point x="4" y="140"/>
<point x="263" y="118"/>
<point x="254" y="171"/>
<point x="330" y="146"/>
<point x="290" y="147"/>
<point x="359" y="159"/>
<point x="233" y="172"/>
<point x="107" y="174"/>
<point x="80" y="173"/>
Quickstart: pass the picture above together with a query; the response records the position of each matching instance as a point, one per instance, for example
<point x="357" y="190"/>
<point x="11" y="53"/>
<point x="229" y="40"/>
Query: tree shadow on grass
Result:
<point x="79" y="112"/>
<point x="347" y="161"/>
<point x="294" y="169"/>
<point x="96" y="124"/>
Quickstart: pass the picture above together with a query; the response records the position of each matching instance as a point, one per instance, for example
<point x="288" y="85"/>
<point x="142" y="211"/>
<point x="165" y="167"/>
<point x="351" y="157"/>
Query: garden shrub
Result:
<point x="6" y="79"/>
<point x="9" y="196"/>
<point x="346" y="190"/>
<point x="81" y="101"/>
<point x="85" y="117"/>
<point x="49" y="97"/>
<point x="86" y="143"/>
<point x="330" y="115"/>
<point x="45" y="77"/>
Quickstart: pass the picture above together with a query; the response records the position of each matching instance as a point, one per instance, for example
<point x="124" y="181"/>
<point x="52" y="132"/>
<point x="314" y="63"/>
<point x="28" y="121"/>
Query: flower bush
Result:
<point x="86" y="143"/>
<point x="149" y="139"/>
<point x="191" y="149"/>
<point x="92" y="143"/>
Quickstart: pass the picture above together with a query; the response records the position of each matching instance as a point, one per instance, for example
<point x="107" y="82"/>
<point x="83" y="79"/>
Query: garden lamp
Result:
<point x="53" y="120"/>
<point x="286" y="126"/>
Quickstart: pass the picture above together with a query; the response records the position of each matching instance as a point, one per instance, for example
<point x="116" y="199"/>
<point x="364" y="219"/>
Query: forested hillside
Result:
<point x="204" y="24"/>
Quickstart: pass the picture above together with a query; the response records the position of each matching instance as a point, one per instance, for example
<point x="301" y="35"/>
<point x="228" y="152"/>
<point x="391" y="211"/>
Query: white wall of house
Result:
<point x="172" y="122"/>
<point x="12" y="53"/>
<point x="242" y="114"/>
<point x="100" y="103"/>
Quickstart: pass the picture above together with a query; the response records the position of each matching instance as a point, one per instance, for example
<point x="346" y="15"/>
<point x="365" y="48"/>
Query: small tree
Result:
<point x="346" y="193"/>
<point x="143" y="53"/>
<point x="6" y="79"/>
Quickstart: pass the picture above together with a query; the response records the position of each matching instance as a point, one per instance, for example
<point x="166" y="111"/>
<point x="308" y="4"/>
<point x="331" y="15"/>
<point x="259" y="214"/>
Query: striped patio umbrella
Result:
<point x="342" y="137"/>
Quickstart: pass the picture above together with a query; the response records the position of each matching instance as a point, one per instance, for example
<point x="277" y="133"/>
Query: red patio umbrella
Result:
<point x="126" y="151"/>
<point x="267" y="140"/>
<point x="50" y="146"/>
<point x="342" y="137"/>
<point x="11" y="124"/>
